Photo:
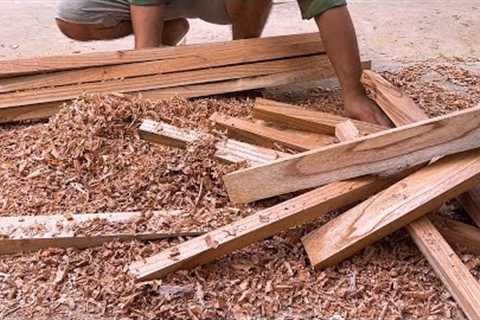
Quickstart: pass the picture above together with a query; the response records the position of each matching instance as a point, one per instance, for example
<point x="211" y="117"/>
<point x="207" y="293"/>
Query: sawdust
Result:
<point x="90" y="159"/>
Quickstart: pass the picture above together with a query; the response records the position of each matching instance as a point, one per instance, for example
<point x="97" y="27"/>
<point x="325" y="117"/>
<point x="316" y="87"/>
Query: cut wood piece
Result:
<point x="302" y="119"/>
<point x="346" y="131"/>
<point x="29" y="233"/>
<point x="388" y="150"/>
<point x="266" y="136"/>
<point x="471" y="203"/>
<point x="448" y="266"/>
<point x="392" y="209"/>
<point x="458" y="233"/>
<point x="199" y="55"/>
<point x="229" y="150"/>
<point x="258" y="226"/>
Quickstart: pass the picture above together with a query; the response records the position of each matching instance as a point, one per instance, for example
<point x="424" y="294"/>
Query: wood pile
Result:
<point x="187" y="173"/>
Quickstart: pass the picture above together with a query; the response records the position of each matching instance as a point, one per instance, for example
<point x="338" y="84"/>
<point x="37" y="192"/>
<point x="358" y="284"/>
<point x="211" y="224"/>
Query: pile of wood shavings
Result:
<point x="271" y="279"/>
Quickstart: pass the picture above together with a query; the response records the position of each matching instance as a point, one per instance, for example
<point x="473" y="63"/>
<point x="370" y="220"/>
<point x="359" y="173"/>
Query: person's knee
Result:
<point x="75" y="31"/>
<point x="174" y="31"/>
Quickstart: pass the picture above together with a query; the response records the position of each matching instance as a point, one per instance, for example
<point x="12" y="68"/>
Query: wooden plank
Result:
<point x="181" y="57"/>
<point x="402" y="110"/>
<point x="229" y="150"/>
<point x="266" y="136"/>
<point x="388" y="150"/>
<point x="458" y="233"/>
<point x="392" y="209"/>
<point x="303" y="119"/>
<point x="448" y="266"/>
<point x="345" y="131"/>
<point x="471" y="203"/>
<point x="29" y="233"/>
<point x="258" y="226"/>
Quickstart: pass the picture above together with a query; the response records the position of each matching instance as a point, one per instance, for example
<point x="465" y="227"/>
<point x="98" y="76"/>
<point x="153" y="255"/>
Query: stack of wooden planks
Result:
<point x="35" y="88"/>
<point x="391" y="170"/>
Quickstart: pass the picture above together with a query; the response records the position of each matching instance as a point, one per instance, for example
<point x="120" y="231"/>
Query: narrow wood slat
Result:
<point x="457" y="233"/>
<point x="471" y="203"/>
<point x="303" y="119"/>
<point x="59" y="231"/>
<point x="230" y="151"/>
<point x="265" y="47"/>
<point x="391" y="149"/>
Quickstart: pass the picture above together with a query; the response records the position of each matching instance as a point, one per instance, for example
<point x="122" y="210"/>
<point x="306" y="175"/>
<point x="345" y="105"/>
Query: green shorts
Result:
<point x="309" y="8"/>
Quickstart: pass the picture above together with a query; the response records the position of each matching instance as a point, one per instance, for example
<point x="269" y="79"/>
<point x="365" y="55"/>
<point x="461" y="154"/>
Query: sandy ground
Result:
<point x="390" y="31"/>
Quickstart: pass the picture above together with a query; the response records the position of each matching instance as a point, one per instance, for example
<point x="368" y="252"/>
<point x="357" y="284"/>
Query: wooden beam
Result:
<point x="471" y="203"/>
<point x="267" y="136"/>
<point x="402" y="110"/>
<point x="345" y="131"/>
<point x="229" y="150"/>
<point x="303" y="119"/>
<point x="447" y="265"/>
<point x="457" y="233"/>
<point x="388" y="150"/>
<point x="179" y="58"/>
<point x="29" y="233"/>
<point x="392" y="209"/>
<point x="258" y="226"/>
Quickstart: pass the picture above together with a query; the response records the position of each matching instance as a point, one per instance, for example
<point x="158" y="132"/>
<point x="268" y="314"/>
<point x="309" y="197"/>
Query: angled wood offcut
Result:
<point x="229" y="150"/>
<point x="457" y="233"/>
<point x="471" y="203"/>
<point x="391" y="149"/>
<point x="303" y="119"/>
<point x="29" y="233"/>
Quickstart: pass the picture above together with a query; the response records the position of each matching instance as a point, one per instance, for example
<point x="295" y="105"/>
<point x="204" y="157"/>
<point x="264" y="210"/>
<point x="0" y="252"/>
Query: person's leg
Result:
<point x="90" y="32"/>
<point x="339" y="39"/>
<point x="174" y="31"/>
<point x="248" y="17"/>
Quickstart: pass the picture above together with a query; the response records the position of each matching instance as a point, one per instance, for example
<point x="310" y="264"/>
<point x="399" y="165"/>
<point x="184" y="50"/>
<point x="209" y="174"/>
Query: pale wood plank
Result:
<point x="346" y="131"/>
<point x="29" y="233"/>
<point x="392" y="209"/>
<point x="198" y="54"/>
<point x="258" y="226"/>
<point x="388" y="150"/>
<point x="229" y="150"/>
<point x="303" y="119"/>
<point x="267" y="136"/>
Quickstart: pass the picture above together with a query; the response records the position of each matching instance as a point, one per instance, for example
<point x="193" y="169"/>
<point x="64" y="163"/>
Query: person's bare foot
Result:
<point x="174" y="31"/>
<point x="362" y="108"/>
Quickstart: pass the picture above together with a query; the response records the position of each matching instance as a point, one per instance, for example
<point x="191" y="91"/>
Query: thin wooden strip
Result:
<point x="198" y="60"/>
<point x="266" y="136"/>
<point x="392" y="209"/>
<point x="388" y="150"/>
<point x="471" y="203"/>
<point x="448" y="266"/>
<point x="303" y="119"/>
<point x="164" y="80"/>
<point x="345" y="131"/>
<point x="10" y="68"/>
<point x="30" y="233"/>
<point x="229" y="150"/>
<point x="458" y="233"/>
<point x="258" y="226"/>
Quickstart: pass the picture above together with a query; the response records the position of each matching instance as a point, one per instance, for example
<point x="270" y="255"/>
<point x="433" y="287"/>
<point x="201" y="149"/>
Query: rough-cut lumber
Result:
<point x="178" y="58"/>
<point x="229" y="150"/>
<point x="346" y="130"/>
<point x="392" y="209"/>
<point x="266" y="136"/>
<point x="258" y="226"/>
<point x="402" y="110"/>
<point x="471" y="203"/>
<point x="448" y="266"/>
<point x="458" y="233"/>
<point x="388" y="150"/>
<point x="29" y="233"/>
<point x="302" y="119"/>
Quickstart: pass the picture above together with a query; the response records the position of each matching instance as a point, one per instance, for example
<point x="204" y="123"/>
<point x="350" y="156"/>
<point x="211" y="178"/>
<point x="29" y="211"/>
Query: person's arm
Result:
<point x="147" y="22"/>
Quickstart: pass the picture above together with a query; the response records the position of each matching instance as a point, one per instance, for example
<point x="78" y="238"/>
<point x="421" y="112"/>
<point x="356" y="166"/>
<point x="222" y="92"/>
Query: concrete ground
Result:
<point x="390" y="32"/>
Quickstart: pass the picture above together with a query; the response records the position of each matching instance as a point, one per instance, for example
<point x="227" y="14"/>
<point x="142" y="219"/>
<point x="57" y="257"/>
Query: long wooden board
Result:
<point x="180" y="58"/>
<point x="303" y="119"/>
<point x="29" y="233"/>
<point x="392" y="209"/>
<point x="229" y="150"/>
<point x="267" y="136"/>
<point x="458" y="233"/>
<point x="258" y="226"/>
<point x="391" y="149"/>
